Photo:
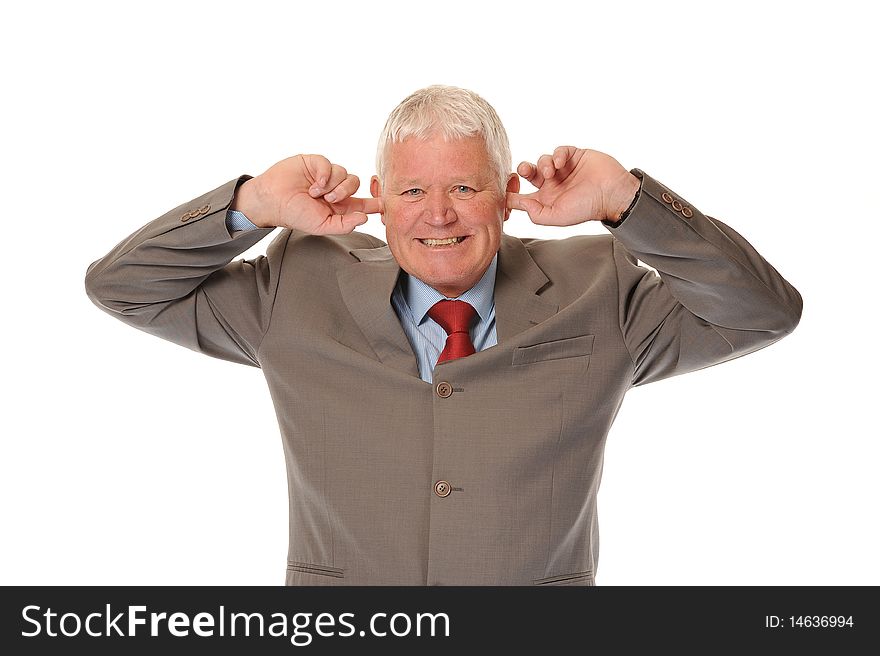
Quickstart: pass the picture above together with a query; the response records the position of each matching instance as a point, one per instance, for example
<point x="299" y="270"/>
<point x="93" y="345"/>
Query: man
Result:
<point x="444" y="400"/>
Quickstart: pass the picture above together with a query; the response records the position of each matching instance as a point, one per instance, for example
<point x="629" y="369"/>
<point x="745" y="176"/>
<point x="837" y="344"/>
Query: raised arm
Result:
<point x="174" y="277"/>
<point x="715" y="298"/>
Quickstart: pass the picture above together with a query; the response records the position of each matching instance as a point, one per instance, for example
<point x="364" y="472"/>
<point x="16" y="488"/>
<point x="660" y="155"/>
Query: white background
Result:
<point x="128" y="460"/>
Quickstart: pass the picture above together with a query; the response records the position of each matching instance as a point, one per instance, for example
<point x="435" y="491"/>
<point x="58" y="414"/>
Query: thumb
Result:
<point x="351" y="220"/>
<point x="340" y="223"/>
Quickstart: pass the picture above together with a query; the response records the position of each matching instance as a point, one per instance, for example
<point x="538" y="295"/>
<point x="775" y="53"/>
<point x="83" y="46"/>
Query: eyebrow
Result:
<point x="413" y="182"/>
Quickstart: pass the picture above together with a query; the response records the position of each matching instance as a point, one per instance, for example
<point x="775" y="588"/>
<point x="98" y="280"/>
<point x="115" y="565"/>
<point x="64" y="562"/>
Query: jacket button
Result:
<point x="444" y="390"/>
<point x="204" y="208"/>
<point x="687" y="212"/>
<point x="442" y="489"/>
<point x="667" y="198"/>
<point x="677" y="206"/>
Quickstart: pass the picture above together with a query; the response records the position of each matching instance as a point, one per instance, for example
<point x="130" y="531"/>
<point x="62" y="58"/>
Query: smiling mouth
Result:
<point x="449" y="241"/>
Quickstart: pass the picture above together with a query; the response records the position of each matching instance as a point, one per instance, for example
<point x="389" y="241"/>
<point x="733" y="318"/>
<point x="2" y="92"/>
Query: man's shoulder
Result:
<point x="572" y="264"/>
<point x="577" y="246"/>
<point x="301" y="245"/>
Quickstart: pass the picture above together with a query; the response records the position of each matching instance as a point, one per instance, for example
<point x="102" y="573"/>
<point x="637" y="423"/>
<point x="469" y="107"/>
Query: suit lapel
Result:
<point x="366" y="288"/>
<point x="517" y="305"/>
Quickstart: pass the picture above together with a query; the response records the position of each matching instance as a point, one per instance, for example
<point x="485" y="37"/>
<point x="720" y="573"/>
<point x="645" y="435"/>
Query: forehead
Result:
<point x="434" y="157"/>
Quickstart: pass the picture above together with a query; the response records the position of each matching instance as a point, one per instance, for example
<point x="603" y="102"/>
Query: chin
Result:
<point x="451" y="288"/>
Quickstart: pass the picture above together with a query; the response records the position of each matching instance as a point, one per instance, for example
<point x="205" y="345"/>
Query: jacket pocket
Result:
<point x="575" y="578"/>
<point x="571" y="347"/>
<point x="311" y="568"/>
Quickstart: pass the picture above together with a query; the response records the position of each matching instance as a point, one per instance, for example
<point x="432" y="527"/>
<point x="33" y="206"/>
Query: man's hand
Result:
<point x="307" y="193"/>
<point x="575" y="185"/>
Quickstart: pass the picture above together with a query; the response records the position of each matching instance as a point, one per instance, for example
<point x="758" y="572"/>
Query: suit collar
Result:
<point x="367" y="285"/>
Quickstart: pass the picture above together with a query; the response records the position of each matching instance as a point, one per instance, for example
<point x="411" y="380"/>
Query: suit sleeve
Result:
<point x="715" y="297"/>
<point x="174" y="278"/>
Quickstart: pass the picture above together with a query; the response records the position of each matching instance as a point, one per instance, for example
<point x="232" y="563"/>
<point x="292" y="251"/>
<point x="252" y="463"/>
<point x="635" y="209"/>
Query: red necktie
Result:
<point x="455" y="317"/>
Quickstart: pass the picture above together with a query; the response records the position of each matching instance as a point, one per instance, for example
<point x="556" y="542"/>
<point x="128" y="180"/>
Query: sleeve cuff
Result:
<point x="616" y="224"/>
<point x="237" y="222"/>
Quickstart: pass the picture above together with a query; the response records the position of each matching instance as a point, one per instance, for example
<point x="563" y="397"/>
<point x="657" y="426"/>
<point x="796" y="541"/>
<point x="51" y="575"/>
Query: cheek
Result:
<point x="397" y="224"/>
<point x="488" y="212"/>
<point x="492" y="223"/>
<point x="399" y="215"/>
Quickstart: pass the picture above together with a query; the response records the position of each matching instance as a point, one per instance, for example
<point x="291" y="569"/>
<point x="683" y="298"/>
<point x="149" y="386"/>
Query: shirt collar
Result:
<point x="420" y="297"/>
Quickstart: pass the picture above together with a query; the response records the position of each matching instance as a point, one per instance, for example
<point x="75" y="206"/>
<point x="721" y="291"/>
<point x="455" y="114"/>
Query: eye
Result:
<point x="464" y="189"/>
<point x="412" y="192"/>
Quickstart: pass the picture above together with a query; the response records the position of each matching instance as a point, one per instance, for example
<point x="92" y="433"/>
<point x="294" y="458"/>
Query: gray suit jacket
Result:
<point x="490" y="475"/>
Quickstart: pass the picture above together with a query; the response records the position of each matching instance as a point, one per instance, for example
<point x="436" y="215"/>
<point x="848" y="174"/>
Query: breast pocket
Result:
<point x="559" y="349"/>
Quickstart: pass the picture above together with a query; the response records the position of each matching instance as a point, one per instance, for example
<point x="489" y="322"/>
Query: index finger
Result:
<point x="365" y="205"/>
<point x="524" y="202"/>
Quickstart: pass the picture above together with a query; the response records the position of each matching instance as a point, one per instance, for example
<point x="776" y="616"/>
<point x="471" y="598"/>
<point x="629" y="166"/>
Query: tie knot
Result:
<point x="455" y="317"/>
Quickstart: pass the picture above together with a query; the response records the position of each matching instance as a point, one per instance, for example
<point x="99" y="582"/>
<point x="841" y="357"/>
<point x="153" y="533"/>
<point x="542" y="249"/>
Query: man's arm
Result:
<point x="156" y="280"/>
<point x="173" y="278"/>
<point x="715" y="297"/>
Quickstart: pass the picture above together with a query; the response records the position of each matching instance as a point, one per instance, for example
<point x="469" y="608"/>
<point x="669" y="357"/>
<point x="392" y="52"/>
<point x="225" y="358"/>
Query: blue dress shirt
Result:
<point x="412" y="299"/>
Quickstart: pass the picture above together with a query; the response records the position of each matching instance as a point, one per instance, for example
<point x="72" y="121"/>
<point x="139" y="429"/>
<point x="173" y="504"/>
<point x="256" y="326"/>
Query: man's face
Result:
<point x="443" y="210"/>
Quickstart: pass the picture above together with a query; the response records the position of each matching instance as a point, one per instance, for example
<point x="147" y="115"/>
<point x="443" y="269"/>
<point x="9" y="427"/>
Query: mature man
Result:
<point x="444" y="400"/>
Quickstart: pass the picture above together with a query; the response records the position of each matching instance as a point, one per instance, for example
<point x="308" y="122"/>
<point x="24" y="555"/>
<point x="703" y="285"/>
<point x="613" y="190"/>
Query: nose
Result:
<point x="439" y="210"/>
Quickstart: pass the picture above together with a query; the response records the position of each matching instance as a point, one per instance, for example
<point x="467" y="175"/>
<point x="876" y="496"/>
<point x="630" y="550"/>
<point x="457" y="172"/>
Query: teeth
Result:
<point x="441" y="242"/>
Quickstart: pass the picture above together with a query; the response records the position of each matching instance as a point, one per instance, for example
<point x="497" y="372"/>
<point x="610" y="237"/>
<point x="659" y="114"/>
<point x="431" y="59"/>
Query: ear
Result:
<point x="512" y="188"/>
<point x="376" y="192"/>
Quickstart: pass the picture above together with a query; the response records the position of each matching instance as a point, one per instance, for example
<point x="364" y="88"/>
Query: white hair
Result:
<point x="453" y="112"/>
